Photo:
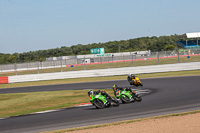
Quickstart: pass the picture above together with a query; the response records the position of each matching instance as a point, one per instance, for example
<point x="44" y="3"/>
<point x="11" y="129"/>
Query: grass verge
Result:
<point x="93" y="79"/>
<point x="15" y="104"/>
<point x="24" y="103"/>
<point x="122" y="122"/>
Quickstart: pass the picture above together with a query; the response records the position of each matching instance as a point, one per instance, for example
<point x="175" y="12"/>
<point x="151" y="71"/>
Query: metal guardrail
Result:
<point x="62" y="63"/>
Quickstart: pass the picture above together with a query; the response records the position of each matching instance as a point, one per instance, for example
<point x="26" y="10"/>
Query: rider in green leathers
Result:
<point x="102" y="93"/>
<point x="116" y="88"/>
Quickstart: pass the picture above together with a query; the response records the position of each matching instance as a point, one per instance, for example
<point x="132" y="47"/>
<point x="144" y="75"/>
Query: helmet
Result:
<point x="114" y="87"/>
<point x="90" y="92"/>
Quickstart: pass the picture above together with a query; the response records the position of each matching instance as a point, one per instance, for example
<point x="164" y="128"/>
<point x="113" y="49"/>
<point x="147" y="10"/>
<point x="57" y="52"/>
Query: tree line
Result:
<point x="162" y="43"/>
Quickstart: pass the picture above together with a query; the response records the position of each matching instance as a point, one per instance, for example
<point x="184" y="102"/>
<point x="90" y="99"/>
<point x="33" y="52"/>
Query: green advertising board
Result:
<point x="97" y="51"/>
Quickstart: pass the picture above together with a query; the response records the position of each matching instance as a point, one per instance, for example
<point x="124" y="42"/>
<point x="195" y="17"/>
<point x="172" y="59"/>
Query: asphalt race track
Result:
<point x="169" y="95"/>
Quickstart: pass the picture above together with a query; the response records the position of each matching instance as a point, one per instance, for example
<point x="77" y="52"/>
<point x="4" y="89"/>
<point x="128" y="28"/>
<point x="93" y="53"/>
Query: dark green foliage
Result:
<point x="139" y="44"/>
<point x="169" y="47"/>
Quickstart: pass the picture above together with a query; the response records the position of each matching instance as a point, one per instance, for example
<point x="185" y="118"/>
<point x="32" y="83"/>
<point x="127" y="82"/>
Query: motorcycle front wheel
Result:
<point x="125" y="99"/>
<point x="115" y="103"/>
<point x="99" y="104"/>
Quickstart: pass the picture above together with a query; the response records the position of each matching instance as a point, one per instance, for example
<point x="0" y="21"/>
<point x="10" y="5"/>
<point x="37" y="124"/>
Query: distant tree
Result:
<point x="144" y="43"/>
<point x="170" y="47"/>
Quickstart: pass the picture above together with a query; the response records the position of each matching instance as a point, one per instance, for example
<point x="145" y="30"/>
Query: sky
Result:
<point x="31" y="25"/>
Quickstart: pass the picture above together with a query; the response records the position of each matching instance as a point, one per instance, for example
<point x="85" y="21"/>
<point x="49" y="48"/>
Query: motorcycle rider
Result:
<point x="101" y="92"/>
<point x="116" y="88"/>
<point x="129" y="77"/>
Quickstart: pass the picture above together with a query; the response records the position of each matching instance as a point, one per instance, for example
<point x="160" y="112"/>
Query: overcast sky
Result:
<point x="30" y="25"/>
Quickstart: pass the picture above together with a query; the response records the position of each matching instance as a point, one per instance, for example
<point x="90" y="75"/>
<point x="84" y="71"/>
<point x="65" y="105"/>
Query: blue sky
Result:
<point x="30" y="25"/>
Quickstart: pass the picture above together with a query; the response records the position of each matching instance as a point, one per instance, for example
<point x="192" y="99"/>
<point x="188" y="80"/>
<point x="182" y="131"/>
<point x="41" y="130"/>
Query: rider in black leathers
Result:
<point x="130" y="77"/>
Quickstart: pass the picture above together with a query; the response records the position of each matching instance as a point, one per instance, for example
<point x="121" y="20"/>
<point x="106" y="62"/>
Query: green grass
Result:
<point x="15" y="104"/>
<point x="105" y="66"/>
<point x="93" y="79"/>
<point x="122" y="122"/>
<point x="24" y="103"/>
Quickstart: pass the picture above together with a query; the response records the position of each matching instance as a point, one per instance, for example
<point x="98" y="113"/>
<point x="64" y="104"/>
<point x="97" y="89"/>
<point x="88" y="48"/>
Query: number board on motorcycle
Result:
<point x="97" y="96"/>
<point x="123" y="92"/>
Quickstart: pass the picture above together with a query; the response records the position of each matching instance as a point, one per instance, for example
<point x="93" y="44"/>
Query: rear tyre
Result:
<point x="141" y="84"/>
<point x="138" y="98"/>
<point x="99" y="104"/>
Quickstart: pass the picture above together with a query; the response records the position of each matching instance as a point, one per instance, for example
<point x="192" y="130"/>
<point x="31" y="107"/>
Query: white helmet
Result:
<point x="129" y="74"/>
<point x="90" y="92"/>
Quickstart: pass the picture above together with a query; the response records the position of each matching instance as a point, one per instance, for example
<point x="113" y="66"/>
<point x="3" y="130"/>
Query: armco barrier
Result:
<point x="106" y="72"/>
<point x="59" y="66"/>
<point x="130" y="60"/>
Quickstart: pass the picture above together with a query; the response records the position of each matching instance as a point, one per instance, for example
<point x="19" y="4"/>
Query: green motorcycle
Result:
<point x="124" y="95"/>
<point x="127" y="96"/>
<point x="100" y="101"/>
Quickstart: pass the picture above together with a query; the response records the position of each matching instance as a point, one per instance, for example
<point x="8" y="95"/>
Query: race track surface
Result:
<point x="169" y="95"/>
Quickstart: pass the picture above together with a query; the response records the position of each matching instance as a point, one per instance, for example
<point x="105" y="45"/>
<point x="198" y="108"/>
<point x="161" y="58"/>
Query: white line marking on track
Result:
<point x="45" y="111"/>
<point x="84" y="105"/>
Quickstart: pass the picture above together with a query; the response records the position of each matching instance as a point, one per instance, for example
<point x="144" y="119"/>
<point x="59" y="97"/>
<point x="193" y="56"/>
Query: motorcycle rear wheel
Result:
<point x="141" y="84"/>
<point x="138" y="98"/>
